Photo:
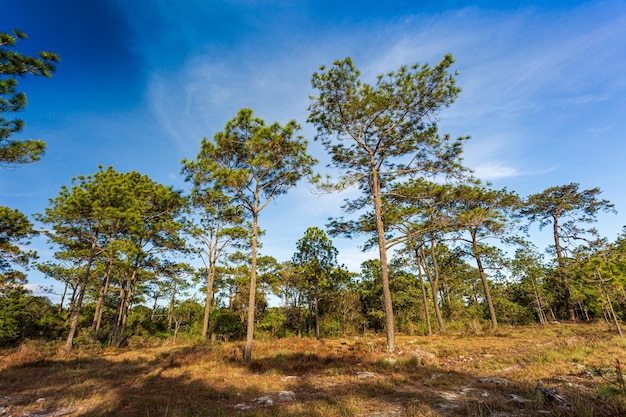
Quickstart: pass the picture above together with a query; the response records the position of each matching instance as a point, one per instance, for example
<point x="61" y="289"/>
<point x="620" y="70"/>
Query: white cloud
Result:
<point x="495" y="171"/>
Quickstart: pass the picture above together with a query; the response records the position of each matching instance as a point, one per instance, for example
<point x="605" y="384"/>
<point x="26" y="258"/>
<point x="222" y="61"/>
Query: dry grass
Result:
<point x="485" y="373"/>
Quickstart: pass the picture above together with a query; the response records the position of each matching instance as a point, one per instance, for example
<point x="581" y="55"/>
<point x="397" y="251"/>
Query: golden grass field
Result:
<point x="458" y="373"/>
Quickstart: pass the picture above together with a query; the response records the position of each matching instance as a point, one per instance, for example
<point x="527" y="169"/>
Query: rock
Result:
<point x="520" y="400"/>
<point x="286" y="396"/>
<point x="264" y="401"/>
<point x="451" y="396"/>
<point x="423" y="354"/>
<point x="494" y="380"/>
<point x="448" y="406"/>
<point x="4" y="410"/>
<point x="40" y="400"/>
<point x="241" y="407"/>
<point x="487" y="356"/>
<point x="552" y="395"/>
<point x="365" y="375"/>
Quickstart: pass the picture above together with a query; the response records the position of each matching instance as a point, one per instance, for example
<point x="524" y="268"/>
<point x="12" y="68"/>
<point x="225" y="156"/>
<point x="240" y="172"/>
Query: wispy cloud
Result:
<point x="495" y="171"/>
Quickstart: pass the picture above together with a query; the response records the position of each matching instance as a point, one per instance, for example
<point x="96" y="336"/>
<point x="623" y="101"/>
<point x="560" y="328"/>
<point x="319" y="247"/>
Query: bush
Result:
<point x="510" y="312"/>
<point x="226" y="323"/>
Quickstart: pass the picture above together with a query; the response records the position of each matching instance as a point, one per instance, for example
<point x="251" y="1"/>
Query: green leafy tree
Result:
<point x="24" y="316"/>
<point x="377" y="134"/>
<point x="78" y="220"/>
<point x="15" y="230"/>
<point x="566" y="208"/>
<point x="415" y="211"/>
<point x="530" y="271"/>
<point x="128" y="215"/>
<point x="13" y="64"/>
<point x="254" y="163"/>
<point x="484" y="215"/>
<point x="218" y="226"/>
<point x="316" y="258"/>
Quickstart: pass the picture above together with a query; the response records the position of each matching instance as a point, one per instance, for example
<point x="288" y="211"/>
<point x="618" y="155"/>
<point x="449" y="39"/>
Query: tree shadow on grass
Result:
<point x="174" y="383"/>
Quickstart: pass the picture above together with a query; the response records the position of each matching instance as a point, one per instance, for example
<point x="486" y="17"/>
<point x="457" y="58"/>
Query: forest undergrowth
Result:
<point x="561" y="369"/>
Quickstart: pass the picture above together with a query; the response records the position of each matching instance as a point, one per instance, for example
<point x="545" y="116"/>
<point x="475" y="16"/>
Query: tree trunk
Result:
<point x="117" y="332"/>
<point x="122" y="327"/>
<point x="483" y="278"/>
<point x="170" y="310"/>
<point x="433" y="280"/>
<point x="247" y="357"/>
<point x="81" y="293"/>
<point x="209" y="297"/>
<point x="611" y="310"/>
<point x="423" y="288"/>
<point x="540" y="312"/>
<point x="72" y="304"/>
<point x="317" y="314"/>
<point x="63" y="297"/>
<point x="97" y="316"/>
<point x="117" y="321"/>
<point x="567" y="292"/>
<point x="382" y="249"/>
<point x="157" y="294"/>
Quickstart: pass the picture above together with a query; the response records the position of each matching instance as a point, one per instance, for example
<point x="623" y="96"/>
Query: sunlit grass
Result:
<point x="338" y="377"/>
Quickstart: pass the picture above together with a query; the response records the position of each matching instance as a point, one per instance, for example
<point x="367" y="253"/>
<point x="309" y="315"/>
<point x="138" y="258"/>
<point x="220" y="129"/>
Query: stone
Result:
<point x="494" y="380"/>
<point x="264" y="401"/>
<point x="365" y="375"/>
<point x="423" y="354"/>
<point x="286" y="396"/>
<point x="520" y="400"/>
<point x="552" y="395"/>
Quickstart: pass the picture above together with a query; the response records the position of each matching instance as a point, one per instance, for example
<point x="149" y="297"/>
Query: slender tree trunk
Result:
<point x="423" y="288"/>
<point x="540" y="313"/>
<point x="433" y="280"/>
<point x="611" y="310"/>
<point x="483" y="278"/>
<point x="104" y="287"/>
<point x="446" y="294"/>
<point x="125" y="311"/>
<point x="382" y="250"/>
<point x="72" y="304"/>
<point x="299" y="315"/>
<point x="170" y="310"/>
<point x="63" y="297"/>
<point x="81" y="293"/>
<point x="552" y="314"/>
<point x="317" y="314"/>
<point x="247" y="357"/>
<point x="209" y="297"/>
<point x="117" y="331"/>
<point x="567" y="292"/>
<point x="118" y="311"/>
<point x="154" y="305"/>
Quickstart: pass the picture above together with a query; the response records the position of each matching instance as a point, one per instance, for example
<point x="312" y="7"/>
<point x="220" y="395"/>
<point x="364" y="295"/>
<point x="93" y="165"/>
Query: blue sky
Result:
<point x="142" y="81"/>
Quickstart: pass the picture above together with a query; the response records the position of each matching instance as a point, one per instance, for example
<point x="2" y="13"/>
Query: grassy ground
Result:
<point x="464" y="373"/>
